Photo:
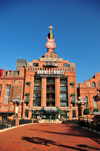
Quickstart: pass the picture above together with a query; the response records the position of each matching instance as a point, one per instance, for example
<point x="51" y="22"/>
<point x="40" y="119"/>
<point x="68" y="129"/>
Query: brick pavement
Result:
<point x="49" y="137"/>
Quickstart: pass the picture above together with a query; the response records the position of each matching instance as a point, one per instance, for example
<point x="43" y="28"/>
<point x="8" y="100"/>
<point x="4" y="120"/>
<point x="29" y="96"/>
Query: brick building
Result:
<point x="11" y="86"/>
<point x="50" y="83"/>
<point x="90" y="91"/>
<point x="47" y="87"/>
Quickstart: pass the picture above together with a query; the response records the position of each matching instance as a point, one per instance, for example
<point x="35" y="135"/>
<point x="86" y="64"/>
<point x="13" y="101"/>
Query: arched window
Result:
<point x="72" y="70"/>
<point x="65" y="70"/>
<point x="86" y="99"/>
<point x="65" y="65"/>
<point x="35" y="64"/>
<point x="50" y="55"/>
<point x="93" y="84"/>
<point x="95" y="101"/>
<point x="99" y="84"/>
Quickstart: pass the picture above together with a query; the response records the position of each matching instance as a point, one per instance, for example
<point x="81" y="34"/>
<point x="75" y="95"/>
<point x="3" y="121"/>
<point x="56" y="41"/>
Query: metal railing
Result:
<point x="6" y="123"/>
<point x="24" y="121"/>
<point x="93" y="125"/>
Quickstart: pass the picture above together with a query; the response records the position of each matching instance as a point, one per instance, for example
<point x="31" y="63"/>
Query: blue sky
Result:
<point x="24" y="25"/>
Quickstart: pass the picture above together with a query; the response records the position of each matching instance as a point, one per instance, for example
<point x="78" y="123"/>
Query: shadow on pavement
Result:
<point x="42" y="141"/>
<point x="75" y="131"/>
<point x="86" y="146"/>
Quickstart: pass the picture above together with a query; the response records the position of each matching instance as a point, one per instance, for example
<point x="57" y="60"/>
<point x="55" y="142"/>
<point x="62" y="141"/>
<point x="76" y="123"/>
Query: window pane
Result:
<point x="86" y="99"/>
<point x="62" y="88"/>
<point x="35" y="64"/>
<point x="74" y="113"/>
<point x="7" y="94"/>
<point x="72" y="85"/>
<point x="99" y="84"/>
<point x="93" y="84"/>
<point x="63" y="104"/>
<point x="63" y="96"/>
<point x="0" y="88"/>
<point x="50" y="63"/>
<point x="27" y="97"/>
<point x="9" y="73"/>
<point x="50" y="55"/>
<point x="73" y="97"/>
<point x="94" y="101"/>
<point x="65" y="65"/>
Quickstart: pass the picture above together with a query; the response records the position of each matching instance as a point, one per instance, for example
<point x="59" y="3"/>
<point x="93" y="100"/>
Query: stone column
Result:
<point x="43" y="92"/>
<point x="57" y="92"/>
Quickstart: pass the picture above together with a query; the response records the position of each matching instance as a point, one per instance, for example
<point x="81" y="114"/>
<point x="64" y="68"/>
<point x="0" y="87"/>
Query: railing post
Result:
<point x="17" y="121"/>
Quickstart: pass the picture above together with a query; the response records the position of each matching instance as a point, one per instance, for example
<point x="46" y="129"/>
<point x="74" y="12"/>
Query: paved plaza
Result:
<point x="49" y="137"/>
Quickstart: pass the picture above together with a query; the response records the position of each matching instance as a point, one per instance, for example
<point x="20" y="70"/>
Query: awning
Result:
<point x="73" y="101"/>
<point x="72" y="94"/>
<point x="28" y="82"/>
<point x="8" y="112"/>
<point x="26" y="101"/>
<point x="72" y="83"/>
<point x="27" y="93"/>
<point x="95" y="113"/>
<point x="95" y="110"/>
<point x="86" y="111"/>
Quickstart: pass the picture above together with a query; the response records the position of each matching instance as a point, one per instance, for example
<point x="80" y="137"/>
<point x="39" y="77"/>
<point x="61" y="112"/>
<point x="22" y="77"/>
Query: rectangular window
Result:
<point x="63" y="96"/>
<point x="50" y="55"/>
<point x="50" y="63"/>
<point x="9" y="73"/>
<point x="37" y="103"/>
<point x="46" y="56"/>
<point x="73" y="97"/>
<point x="74" y="113"/>
<point x="46" y="63"/>
<point x="27" y="97"/>
<point x="7" y="94"/>
<point x="37" y="96"/>
<point x="72" y="85"/>
<point x="0" y="89"/>
<point x="63" y="104"/>
<point x="94" y="101"/>
<point x="62" y="88"/>
<point x="54" y="56"/>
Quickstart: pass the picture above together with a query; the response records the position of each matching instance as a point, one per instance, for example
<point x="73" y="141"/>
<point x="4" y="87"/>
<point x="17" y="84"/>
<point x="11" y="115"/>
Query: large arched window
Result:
<point x="93" y="84"/>
<point x="86" y="99"/>
<point x="99" y="84"/>
<point x="95" y="101"/>
<point x="65" y="65"/>
<point x="35" y="64"/>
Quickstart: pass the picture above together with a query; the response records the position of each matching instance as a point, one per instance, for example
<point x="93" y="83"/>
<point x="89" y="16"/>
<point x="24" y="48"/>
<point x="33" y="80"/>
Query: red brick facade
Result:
<point x="47" y="83"/>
